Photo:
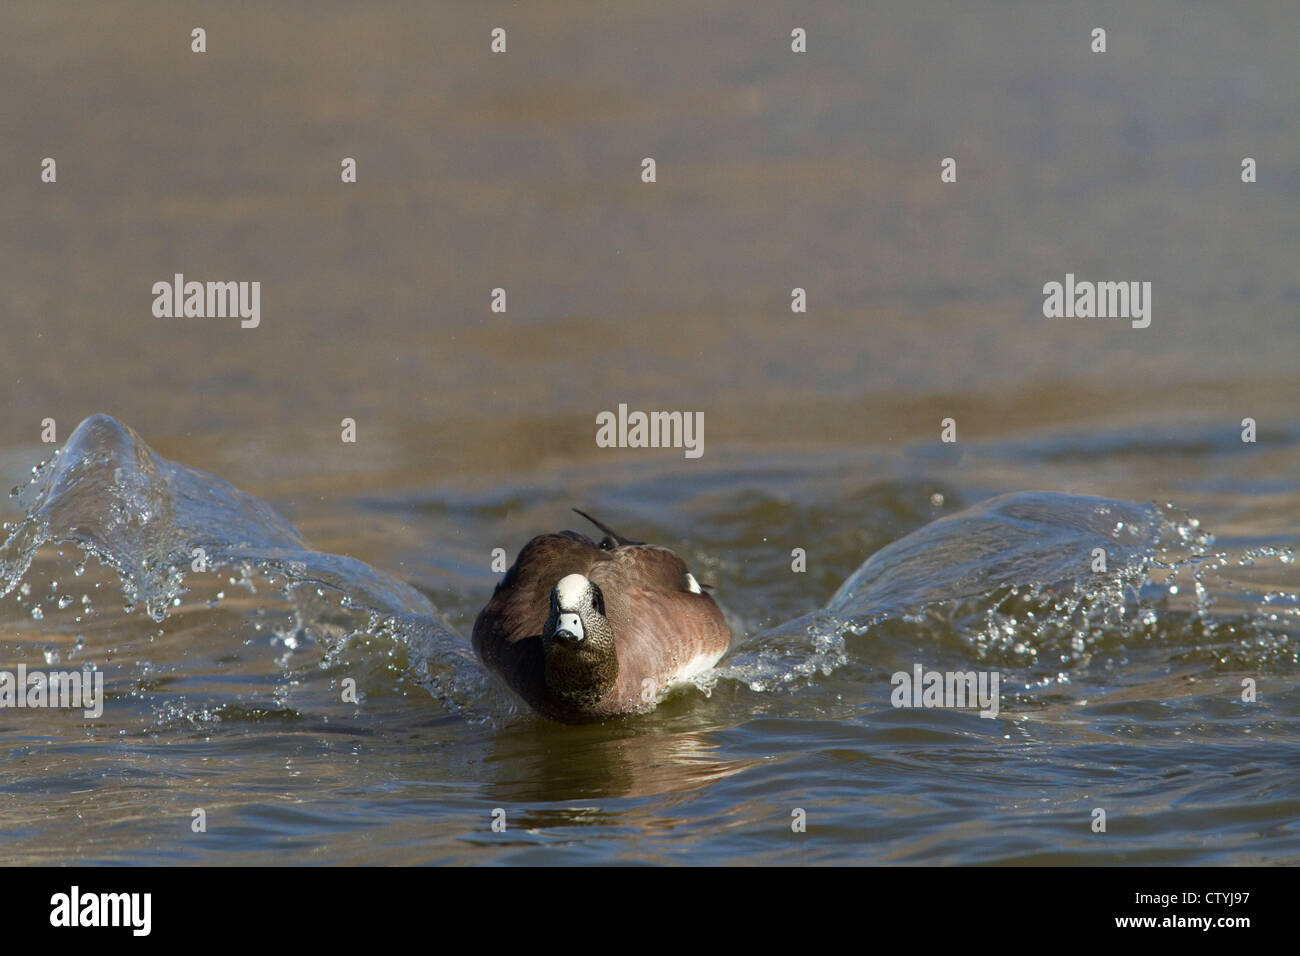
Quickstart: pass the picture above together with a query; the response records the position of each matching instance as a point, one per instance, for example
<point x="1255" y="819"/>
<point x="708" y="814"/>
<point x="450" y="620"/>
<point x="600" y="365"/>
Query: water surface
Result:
<point x="368" y="561"/>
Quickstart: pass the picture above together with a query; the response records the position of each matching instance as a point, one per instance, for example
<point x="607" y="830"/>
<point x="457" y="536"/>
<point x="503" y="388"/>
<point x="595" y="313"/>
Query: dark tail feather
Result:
<point x="614" y="536"/>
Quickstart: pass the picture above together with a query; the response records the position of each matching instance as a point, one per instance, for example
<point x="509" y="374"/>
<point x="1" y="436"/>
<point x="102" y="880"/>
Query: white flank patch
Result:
<point x="692" y="585"/>
<point x="697" y="665"/>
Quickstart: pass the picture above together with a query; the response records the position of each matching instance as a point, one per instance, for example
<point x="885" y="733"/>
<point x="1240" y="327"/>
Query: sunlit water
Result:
<point x="1121" y="690"/>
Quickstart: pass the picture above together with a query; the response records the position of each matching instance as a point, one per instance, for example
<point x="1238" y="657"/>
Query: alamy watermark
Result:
<point x="75" y="908"/>
<point x="208" y="300"/>
<point x="66" y="689"/>
<point x="958" y="689"/>
<point x="1102" y="300"/>
<point x="651" y="430"/>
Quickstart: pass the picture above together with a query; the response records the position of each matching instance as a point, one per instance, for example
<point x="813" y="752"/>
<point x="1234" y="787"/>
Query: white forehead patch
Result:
<point x="692" y="585"/>
<point x="571" y="588"/>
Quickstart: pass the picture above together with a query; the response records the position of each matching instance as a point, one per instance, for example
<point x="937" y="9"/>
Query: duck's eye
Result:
<point x="607" y="543"/>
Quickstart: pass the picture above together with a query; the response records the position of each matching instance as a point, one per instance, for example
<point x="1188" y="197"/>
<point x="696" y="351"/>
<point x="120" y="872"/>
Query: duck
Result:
<point x="587" y="631"/>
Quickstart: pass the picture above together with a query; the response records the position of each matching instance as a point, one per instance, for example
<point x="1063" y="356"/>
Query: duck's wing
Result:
<point x="666" y="631"/>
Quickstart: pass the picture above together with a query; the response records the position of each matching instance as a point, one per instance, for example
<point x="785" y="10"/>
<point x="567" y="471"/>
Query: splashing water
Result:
<point x="1048" y="586"/>
<point x="166" y="530"/>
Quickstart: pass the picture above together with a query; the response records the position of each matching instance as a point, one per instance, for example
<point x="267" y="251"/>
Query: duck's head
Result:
<point x="578" y="640"/>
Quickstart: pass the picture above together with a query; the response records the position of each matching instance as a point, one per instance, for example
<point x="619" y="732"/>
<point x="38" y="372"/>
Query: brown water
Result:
<point x="476" y="429"/>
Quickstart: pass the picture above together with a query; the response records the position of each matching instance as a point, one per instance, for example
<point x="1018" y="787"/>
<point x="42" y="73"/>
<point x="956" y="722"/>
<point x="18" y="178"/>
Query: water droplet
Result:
<point x="37" y="613"/>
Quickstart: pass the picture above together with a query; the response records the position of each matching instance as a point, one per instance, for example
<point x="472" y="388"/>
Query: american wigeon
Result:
<point x="585" y="631"/>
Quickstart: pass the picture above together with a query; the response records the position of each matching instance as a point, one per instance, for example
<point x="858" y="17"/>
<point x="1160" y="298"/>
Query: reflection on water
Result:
<point x="537" y="763"/>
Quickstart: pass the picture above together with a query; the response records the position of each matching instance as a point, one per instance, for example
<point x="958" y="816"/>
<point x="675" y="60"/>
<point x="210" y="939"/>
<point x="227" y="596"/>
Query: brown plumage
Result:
<point x="602" y="645"/>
